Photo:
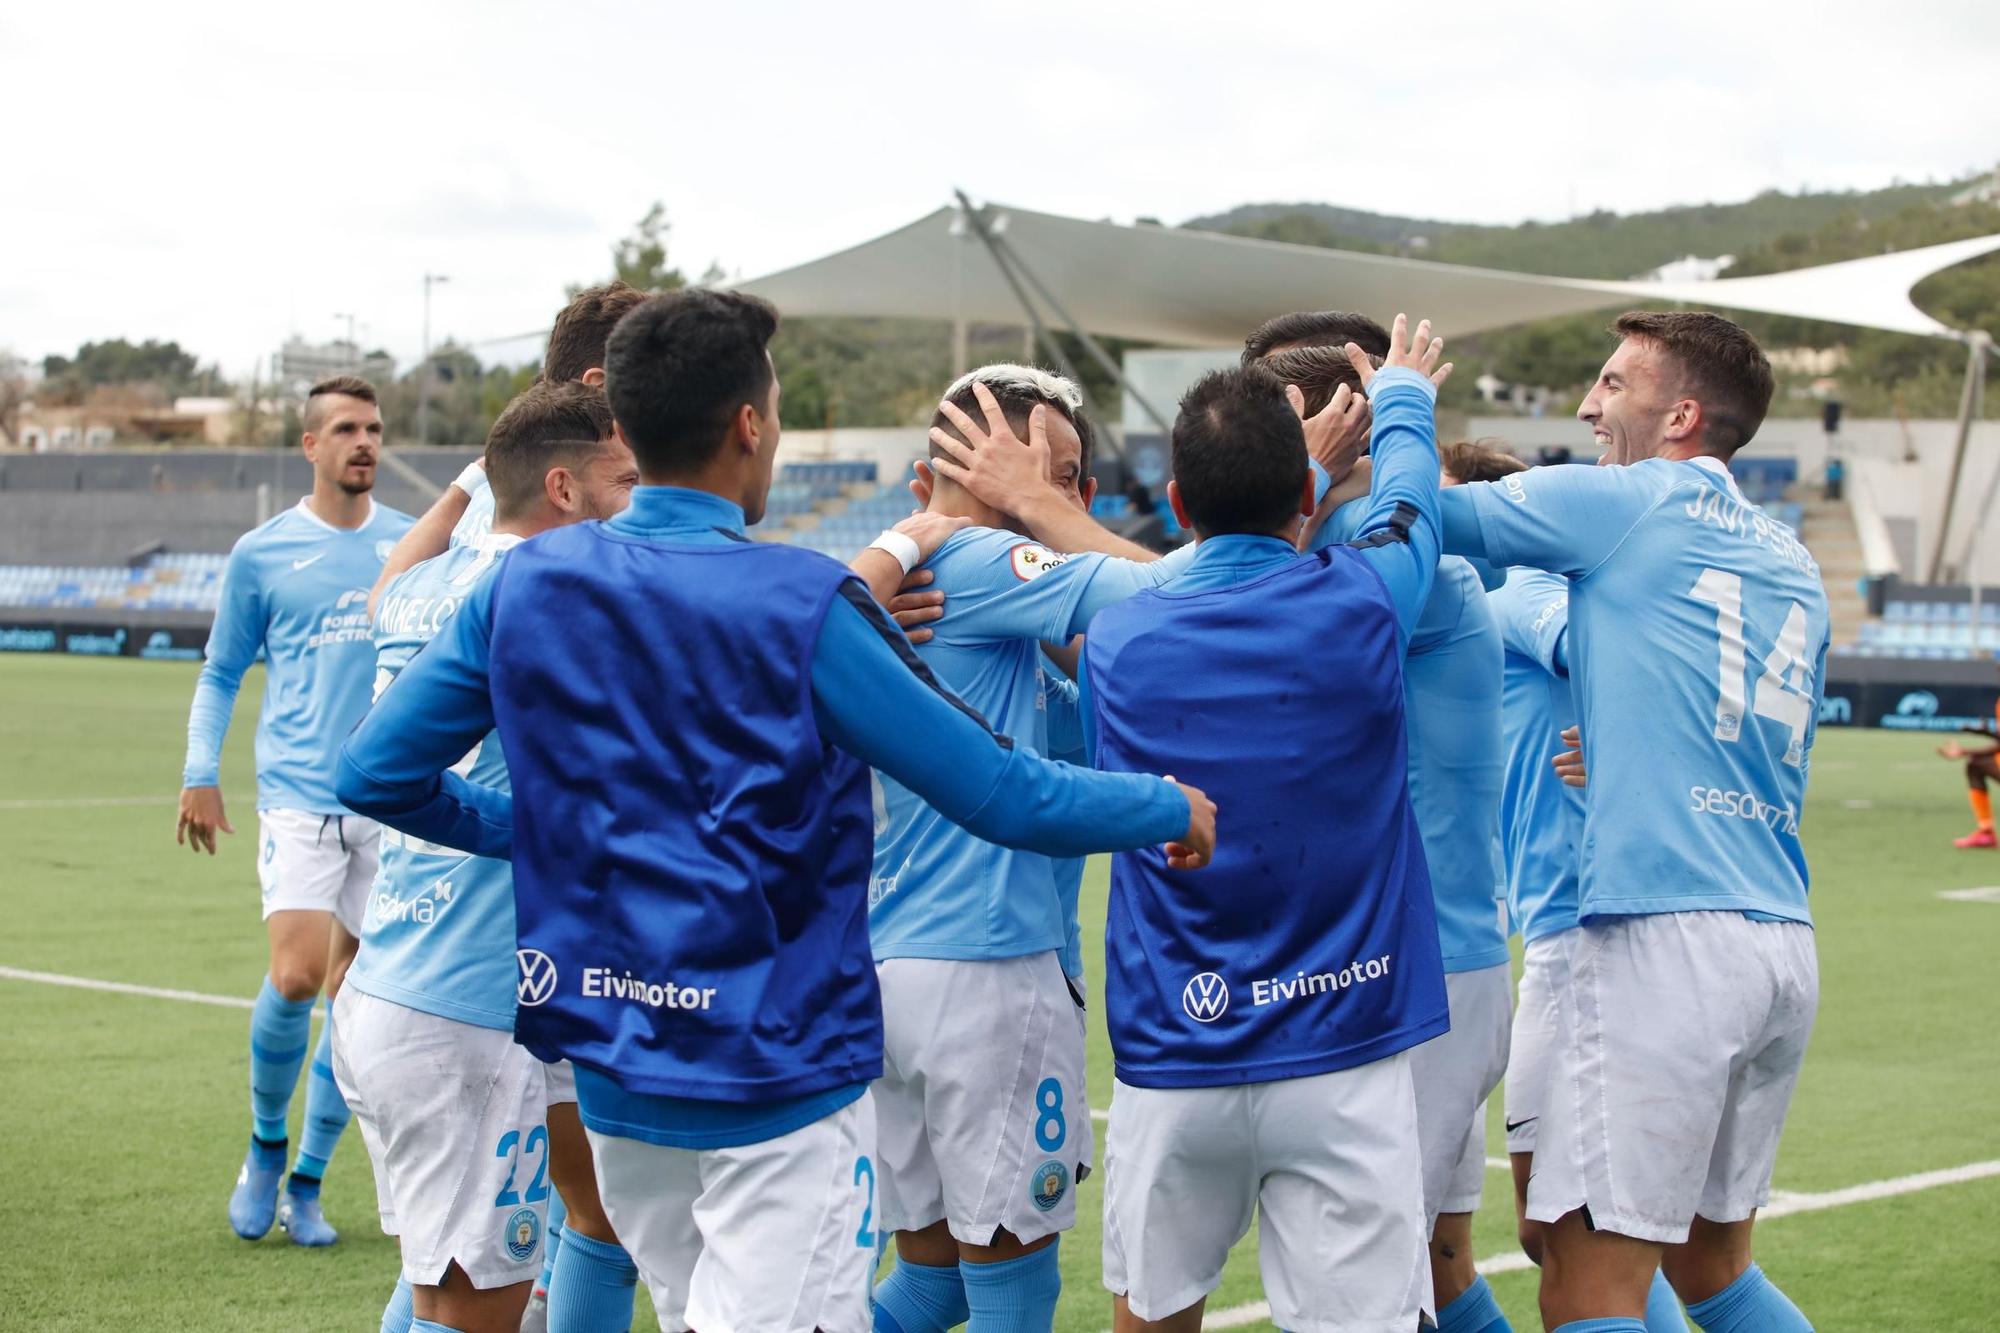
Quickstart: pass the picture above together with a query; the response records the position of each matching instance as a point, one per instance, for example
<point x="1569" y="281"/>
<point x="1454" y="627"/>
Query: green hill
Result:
<point x="1597" y="245"/>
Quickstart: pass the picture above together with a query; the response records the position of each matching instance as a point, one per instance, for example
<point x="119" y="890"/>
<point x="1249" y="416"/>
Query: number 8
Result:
<point x="1049" y="1104"/>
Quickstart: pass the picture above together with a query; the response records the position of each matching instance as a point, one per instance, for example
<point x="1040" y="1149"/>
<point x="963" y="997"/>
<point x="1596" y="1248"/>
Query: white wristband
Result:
<point x="473" y="480"/>
<point x="900" y="545"/>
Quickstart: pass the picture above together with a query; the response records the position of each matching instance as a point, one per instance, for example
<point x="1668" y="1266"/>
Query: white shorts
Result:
<point x="772" y="1237"/>
<point x="560" y="1078"/>
<point x="1534" y="1039"/>
<point x="452" y="1118"/>
<point x="1679" y="1039"/>
<point x="1086" y="1142"/>
<point x="1332" y="1163"/>
<point x="317" y="863"/>
<point x="981" y="1116"/>
<point x="1454" y="1074"/>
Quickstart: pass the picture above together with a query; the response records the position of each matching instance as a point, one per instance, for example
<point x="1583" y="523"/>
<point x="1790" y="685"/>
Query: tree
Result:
<point x="641" y="258"/>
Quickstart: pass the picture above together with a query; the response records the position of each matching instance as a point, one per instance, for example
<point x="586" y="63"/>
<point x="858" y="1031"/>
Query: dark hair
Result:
<point x="680" y="366"/>
<point x="1478" y="460"/>
<point x="1239" y="453"/>
<point x="1019" y="390"/>
<point x="1723" y="368"/>
<point x="548" y="425"/>
<point x="1316" y="328"/>
<point x="576" y="343"/>
<point x="347" y="386"/>
<point x="1318" y="371"/>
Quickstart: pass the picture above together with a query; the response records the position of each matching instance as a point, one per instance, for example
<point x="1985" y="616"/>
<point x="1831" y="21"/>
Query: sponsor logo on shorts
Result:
<point x="1302" y="984"/>
<point x="522" y="1234"/>
<point x="1048" y="1184"/>
<point x="538" y="977"/>
<point x="1205" y="997"/>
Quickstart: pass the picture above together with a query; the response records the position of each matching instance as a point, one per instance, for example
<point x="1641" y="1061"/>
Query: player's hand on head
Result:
<point x="1569" y="764"/>
<point x="1196" y="847"/>
<point x="929" y="531"/>
<point x="916" y="605"/>
<point x="923" y="483"/>
<point x="1337" y="435"/>
<point x="1419" y="351"/>
<point x="991" y="461"/>
<point x="201" y="815"/>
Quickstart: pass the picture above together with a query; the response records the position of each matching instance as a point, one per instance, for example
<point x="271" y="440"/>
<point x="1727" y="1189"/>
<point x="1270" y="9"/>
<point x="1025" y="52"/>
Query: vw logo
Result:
<point x="538" y="977"/>
<point x="1205" y="997"/>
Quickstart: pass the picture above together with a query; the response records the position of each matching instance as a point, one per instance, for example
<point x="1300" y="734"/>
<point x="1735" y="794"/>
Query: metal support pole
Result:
<point x="1000" y="261"/>
<point x="1977" y="344"/>
<point x="1090" y="344"/>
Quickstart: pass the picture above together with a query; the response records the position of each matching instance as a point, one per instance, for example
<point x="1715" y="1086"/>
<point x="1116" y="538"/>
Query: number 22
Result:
<point x="538" y="1190"/>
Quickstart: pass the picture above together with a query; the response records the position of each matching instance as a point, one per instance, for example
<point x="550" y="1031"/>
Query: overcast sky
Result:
<point x="227" y="175"/>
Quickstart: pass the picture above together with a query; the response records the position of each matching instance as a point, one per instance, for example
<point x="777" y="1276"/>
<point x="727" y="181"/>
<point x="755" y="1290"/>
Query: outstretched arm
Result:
<point x="430" y="534"/>
<point x="884" y="707"/>
<point x="395" y="768"/>
<point x="1398" y="532"/>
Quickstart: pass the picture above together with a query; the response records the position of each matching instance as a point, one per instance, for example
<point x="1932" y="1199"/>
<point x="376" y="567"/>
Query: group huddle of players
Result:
<point x="726" y="917"/>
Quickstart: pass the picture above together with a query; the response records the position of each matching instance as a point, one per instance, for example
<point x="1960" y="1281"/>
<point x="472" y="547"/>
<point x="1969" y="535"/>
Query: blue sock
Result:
<point x="550" y="1248"/>
<point x="591" y="1289"/>
<point x="396" y="1314"/>
<point x="1018" y="1296"/>
<point x="1620" y="1325"/>
<point x="1750" y="1304"/>
<point x="326" y="1113"/>
<point x="279" y="1031"/>
<point x="1475" y="1311"/>
<point x="1663" y="1308"/>
<point x="920" y="1298"/>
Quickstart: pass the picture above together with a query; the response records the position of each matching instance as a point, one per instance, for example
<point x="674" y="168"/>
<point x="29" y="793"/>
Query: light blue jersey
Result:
<point x="1451" y="707"/>
<point x="1067" y="743"/>
<point x="296" y="590"/>
<point x="938" y="891"/>
<point x="439" y="933"/>
<point x="1697" y="641"/>
<point x="477" y="520"/>
<point x="1541" y="819"/>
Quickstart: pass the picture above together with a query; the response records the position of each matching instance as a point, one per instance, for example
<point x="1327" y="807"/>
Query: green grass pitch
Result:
<point x="122" y="1118"/>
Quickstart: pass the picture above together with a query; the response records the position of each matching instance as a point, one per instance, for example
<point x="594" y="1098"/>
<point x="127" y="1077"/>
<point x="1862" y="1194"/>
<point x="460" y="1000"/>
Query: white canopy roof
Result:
<point x="1201" y="289"/>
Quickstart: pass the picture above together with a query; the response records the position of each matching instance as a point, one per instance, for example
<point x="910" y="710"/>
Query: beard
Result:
<point x="357" y="487"/>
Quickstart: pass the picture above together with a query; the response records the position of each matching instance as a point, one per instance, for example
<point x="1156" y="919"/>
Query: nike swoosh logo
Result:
<point x="301" y="564"/>
<point x="1513" y="1125"/>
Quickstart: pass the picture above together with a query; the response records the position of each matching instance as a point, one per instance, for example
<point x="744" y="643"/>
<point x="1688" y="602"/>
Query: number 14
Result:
<point x="1783" y="693"/>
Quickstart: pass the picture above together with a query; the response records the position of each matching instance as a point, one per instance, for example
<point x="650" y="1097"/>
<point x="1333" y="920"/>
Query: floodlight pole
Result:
<point x="1978" y="344"/>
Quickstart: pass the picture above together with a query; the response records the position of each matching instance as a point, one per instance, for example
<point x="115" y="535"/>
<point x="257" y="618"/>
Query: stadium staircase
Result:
<point x="1827" y="529"/>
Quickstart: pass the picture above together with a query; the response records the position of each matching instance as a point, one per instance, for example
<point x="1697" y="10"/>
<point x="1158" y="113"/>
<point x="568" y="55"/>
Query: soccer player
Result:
<point x="1541" y="825"/>
<point x="575" y="352"/>
<point x="452" y="1110"/>
<point x="296" y="589"/>
<point x="689" y="718"/>
<point x="1262" y="1017"/>
<point x="982" y="1118"/>
<point x="1697" y="641"/>
<point x="1315" y="328"/>
<point x="1981" y="766"/>
<point x="1451" y="694"/>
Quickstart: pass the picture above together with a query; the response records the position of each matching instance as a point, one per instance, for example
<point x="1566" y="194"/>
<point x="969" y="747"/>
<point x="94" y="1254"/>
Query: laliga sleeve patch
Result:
<point x="1031" y="560"/>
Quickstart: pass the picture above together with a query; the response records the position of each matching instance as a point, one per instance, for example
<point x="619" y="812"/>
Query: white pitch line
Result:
<point x="85" y="802"/>
<point x="1783" y="1204"/>
<point x="126" y="988"/>
<point x="1989" y="894"/>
